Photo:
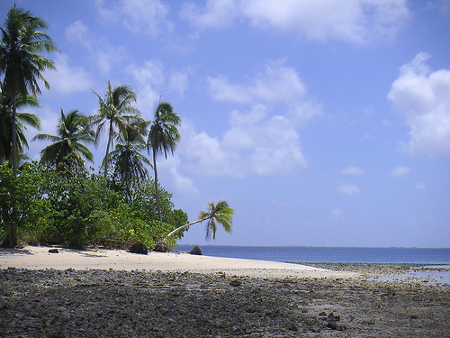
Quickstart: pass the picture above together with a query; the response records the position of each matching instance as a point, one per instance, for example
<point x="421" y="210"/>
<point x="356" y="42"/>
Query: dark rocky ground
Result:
<point x="95" y="303"/>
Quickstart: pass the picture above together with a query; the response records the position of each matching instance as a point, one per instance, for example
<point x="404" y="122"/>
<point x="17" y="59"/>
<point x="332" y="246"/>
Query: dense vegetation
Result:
<point x="67" y="207"/>
<point x="58" y="200"/>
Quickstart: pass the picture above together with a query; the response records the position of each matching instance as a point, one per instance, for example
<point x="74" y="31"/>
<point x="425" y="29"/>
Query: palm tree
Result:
<point x="220" y="213"/>
<point x="67" y="149"/>
<point x="162" y="137"/>
<point x="22" y="119"/>
<point x="22" y="40"/>
<point x="116" y="110"/>
<point x="127" y="159"/>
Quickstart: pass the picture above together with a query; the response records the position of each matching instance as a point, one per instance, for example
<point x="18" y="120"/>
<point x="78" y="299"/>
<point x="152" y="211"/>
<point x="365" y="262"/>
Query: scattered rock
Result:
<point x="235" y="282"/>
<point x="196" y="251"/>
<point x="53" y="250"/>
<point x="161" y="247"/>
<point x="139" y="248"/>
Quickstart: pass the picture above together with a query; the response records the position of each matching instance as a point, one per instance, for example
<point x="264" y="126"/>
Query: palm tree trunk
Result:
<point x="14" y="138"/>
<point x="11" y="236"/>
<point x="158" y="206"/>
<point x="110" y="134"/>
<point x="186" y="225"/>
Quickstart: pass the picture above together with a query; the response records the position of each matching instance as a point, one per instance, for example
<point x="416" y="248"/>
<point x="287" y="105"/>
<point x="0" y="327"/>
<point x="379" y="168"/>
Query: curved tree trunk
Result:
<point x="158" y="206"/>
<point x="186" y="226"/>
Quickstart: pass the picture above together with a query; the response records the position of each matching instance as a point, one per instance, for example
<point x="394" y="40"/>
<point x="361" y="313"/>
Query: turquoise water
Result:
<point x="327" y="254"/>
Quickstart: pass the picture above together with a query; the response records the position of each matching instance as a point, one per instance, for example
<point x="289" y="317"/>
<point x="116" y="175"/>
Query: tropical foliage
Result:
<point x="163" y="137"/>
<point x="22" y="39"/>
<point x="22" y="120"/>
<point x="68" y="149"/>
<point x="58" y="200"/>
<point x="221" y="213"/>
<point x="54" y="207"/>
<point x="116" y="111"/>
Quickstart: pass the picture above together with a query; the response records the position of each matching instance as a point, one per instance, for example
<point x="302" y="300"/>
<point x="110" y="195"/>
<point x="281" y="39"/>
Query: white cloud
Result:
<point x="420" y="186"/>
<point x="422" y="97"/>
<point x="336" y="215"/>
<point x="276" y="84"/>
<point x="217" y="14"/>
<point x="255" y="144"/>
<point x="149" y="16"/>
<point x="348" y="189"/>
<point x="78" y="31"/>
<point x="173" y="180"/>
<point x="354" y="21"/>
<point x="352" y="170"/>
<point x="68" y="79"/>
<point x="103" y="55"/>
<point x="153" y="81"/>
<point x="400" y="171"/>
<point x="179" y="83"/>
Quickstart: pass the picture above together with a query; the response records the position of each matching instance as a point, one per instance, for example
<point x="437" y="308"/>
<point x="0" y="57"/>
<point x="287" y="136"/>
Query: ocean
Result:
<point x="327" y="254"/>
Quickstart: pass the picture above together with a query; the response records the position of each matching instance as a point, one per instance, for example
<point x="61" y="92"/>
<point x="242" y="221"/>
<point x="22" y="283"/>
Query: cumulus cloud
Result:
<point x="276" y="84"/>
<point x="261" y="138"/>
<point x="217" y="13"/>
<point x="153" y="81"/>
<point x="348" y="189"/>
<point x="79" y="81"/>
<point x="421" y="96"/>
<point x="148" y="16"/>
<point x="352" y="170"/>
<point x="353" y="21"/>
<point x="400" y="171"/>
<point x="174" y="180"/>
<point x="255" y="144"/>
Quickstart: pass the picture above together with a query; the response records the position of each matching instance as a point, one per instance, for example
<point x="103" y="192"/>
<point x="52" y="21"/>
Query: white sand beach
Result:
<point x="37" y="258"/>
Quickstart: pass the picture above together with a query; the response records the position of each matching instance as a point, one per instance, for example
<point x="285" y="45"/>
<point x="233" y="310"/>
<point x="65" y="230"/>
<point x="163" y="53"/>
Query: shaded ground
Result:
<point x="96" y="303"/>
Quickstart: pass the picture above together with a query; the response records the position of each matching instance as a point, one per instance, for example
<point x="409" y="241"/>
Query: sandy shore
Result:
<point x="36" y="258"/>
<point x="102" y="293"/>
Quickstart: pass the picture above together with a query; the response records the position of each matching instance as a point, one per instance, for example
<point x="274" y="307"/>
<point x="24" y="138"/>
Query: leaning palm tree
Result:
<point x="68" y="148"/>
<point x="22" y="120"/>
<point x="22" y="66"/>
<point x="116" y="111"/>
<point x="128" y="161"/>
<point x="163" y="137"/>
<point x="221" y="213"/>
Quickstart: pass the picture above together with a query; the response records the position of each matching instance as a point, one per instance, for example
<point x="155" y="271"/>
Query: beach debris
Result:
<point x="161" y="247"/>
<point x="196" y="251"/>
<point x="54" y="250"/>
<point x="139" y="248"/>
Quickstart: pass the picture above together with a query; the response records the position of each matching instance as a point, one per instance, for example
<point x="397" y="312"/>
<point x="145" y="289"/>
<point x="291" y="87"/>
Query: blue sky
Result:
<point x="322" y="123"/>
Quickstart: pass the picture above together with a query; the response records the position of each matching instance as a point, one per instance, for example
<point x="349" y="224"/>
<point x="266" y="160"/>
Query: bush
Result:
<point x="67" y="208"/>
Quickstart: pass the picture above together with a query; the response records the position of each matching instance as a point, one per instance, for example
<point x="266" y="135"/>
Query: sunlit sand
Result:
<point x="35" y="258"/>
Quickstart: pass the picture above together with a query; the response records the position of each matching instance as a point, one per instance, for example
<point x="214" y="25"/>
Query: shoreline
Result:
<point x="283" y="300"/>
<point x="37" y="258"/>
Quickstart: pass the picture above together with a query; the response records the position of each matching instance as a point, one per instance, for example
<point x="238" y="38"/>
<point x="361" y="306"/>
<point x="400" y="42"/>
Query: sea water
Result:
<point x="327" y="254"/>
<point x="420" y="256"/>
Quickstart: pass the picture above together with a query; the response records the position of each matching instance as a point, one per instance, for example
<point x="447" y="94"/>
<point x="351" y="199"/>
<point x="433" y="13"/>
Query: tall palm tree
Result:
<point x="127" y="159"/>
<point x="22" y="120"/>
<point x="68" y="149"/>
<point x="221" y="213"/>
<point x="116" y="110"/>
<point x="162" y="138"/>
<point x="22" y="66"/>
